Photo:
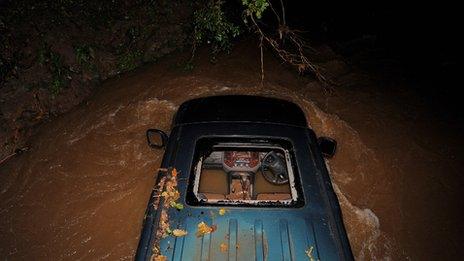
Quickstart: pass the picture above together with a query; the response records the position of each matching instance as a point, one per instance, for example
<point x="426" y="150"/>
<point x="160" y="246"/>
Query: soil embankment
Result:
<point x="54" y="53"/>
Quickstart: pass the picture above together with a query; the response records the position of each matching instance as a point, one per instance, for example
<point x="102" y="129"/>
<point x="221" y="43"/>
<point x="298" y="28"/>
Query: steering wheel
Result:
<point x="277" y="171"/>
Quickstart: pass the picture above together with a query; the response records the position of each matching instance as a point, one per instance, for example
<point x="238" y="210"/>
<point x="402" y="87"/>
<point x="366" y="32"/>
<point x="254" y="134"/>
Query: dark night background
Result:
<point x="420" y="39"/>
<point x="398" y="41"/>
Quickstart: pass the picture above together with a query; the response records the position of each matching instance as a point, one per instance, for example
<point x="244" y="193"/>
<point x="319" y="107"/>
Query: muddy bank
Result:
<point x="81" y="191"/>
<point x="53" y="54"/>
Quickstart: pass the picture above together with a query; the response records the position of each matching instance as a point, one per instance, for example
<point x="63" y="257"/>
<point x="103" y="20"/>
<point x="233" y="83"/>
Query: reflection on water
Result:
<point x="81" y="191"/>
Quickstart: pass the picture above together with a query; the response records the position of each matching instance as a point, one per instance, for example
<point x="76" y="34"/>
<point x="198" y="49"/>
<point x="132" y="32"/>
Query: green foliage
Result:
<point x="176" y="205"/>
<point x="188" y="66"/>
<point x="84" y="57"/>
<point x="42" y="54"/>
<point x="60" y="73"/>
<point x="54" y="63"/>
<point x="128" y="61"/>
<point x="213" y="27"/>
<point x="255" y="7"/>
<point x="103" y="29"/>
<point x="84" y="54"/>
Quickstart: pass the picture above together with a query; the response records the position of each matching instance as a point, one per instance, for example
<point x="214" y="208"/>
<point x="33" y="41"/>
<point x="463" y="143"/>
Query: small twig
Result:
<point x="274" y="11"/>
<point x="16" y="152"/>
<point x="262" y="60"/>
<point x="194" y="46"/>
<point x="298" y="58"/>
<point x="283" y="13"/>
<point x="7" y="158"/>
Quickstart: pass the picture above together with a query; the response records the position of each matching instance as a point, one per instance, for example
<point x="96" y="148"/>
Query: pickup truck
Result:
<point x="242" y="178"/>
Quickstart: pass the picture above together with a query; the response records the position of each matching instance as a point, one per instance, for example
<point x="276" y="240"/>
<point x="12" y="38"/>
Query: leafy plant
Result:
<point x="60" y="73"/>
<point x="255" y="7"/>
<point x="54" y="63"/>
<point x="129" y="60"/>
<point x="212" y="26"/>
<point x="84" y="56"/>
<point x="43" y="54"/>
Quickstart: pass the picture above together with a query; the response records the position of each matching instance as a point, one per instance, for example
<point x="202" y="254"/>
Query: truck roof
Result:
<point x="248" y="232"/>
<point x="240" y="108"/>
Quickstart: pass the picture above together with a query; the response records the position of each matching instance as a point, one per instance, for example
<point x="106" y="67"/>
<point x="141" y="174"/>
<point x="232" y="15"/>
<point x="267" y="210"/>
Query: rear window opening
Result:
<point x="244" y="172"/>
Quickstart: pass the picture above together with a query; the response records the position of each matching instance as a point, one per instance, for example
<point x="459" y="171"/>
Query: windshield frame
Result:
<point x="205" y="145"/>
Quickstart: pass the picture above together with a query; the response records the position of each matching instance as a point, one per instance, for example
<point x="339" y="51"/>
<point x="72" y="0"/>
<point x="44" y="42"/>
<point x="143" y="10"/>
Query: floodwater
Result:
<point x="81" y="190"/>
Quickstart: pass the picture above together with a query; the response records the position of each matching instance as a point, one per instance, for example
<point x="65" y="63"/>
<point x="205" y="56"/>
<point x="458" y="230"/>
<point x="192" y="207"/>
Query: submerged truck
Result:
<point x="242" y="178"/>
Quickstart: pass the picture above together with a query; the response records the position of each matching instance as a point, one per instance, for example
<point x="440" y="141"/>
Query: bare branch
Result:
<point x="283" y="12"/>
<point x="297" y="58"/>
<point x="262" y="60"/>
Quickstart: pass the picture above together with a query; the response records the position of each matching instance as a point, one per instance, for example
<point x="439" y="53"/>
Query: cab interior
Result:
<point x="241" y="175"/>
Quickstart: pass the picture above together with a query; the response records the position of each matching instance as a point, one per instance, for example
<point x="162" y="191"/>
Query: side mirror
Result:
<point x="328" y="146"/>
<point x="157" y="139"/>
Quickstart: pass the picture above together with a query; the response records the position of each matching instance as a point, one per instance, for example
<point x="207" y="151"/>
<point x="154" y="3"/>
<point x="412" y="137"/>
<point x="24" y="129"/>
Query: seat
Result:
<point x="213" y="181"/>
<point x="263" y="186"/>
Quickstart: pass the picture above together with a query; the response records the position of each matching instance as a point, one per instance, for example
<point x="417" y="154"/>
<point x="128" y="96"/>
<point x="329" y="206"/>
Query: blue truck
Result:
<point x="242" y="178"/>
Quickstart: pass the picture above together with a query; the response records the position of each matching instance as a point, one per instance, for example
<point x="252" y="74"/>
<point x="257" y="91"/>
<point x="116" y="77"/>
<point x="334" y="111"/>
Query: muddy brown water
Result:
<point x="82" y="189"/>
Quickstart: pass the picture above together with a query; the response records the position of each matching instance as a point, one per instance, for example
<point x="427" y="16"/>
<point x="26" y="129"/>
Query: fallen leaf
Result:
<point x="179" y="232"/>
<point x="309" y="253"/>
<point x="203" y="229"/>
<point x="168" y="231"/>
<point x="213" y="228"/>
<point x="176" y="205"/>
<point x="163" y="228"/>
<point x="224" y="247"/>
<point x="160" y="258"/>
<point x="222" y="211"/>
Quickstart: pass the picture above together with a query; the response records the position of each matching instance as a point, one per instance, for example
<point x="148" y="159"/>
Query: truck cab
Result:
<point x="250" y="183"/>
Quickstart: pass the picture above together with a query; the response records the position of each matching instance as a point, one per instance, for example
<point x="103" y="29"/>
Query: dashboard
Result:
<point x="241" y="161"/>
<point x="247" y="161"/>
